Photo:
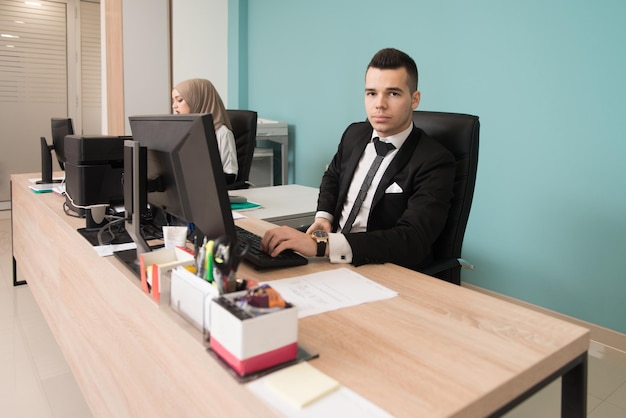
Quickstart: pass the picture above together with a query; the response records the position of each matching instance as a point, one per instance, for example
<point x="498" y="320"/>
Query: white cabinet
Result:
<point x="268" y="134"/>
<point x="262" y="170"/>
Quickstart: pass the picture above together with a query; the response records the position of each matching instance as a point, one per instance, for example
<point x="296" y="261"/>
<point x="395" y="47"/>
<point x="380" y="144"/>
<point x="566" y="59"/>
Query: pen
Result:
<point x="221" y="259"/>
<point x="209" y="261"/>
<point x="200" y="257"/>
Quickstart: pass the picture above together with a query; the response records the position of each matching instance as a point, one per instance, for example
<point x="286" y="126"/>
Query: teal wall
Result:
<point x="547" y="78"/>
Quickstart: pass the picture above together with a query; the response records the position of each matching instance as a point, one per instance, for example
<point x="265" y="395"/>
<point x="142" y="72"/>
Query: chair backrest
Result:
<point x="458" y="133"/>
<point x="244" y="123"/>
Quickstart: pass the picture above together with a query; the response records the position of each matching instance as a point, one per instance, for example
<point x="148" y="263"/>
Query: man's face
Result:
<point x="389" y="103"/>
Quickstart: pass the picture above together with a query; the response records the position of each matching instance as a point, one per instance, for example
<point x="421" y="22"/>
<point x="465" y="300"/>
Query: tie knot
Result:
<point x="382" y="148"/>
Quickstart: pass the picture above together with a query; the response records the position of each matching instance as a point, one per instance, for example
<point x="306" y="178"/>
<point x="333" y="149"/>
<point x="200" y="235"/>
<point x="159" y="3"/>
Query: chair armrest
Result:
<point x="465" y="264"/>
<point x="441" y="265"/>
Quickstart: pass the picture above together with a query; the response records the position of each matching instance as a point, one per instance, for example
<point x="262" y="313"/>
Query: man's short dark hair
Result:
<point x="391" y="59"/>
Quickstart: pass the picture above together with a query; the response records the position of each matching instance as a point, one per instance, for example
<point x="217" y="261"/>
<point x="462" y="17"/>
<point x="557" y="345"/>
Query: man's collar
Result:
<point x="398" y="139"/>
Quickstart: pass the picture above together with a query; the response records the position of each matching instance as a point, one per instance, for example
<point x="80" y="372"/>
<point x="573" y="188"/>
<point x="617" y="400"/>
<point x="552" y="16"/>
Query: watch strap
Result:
<point x="321" y="249"/>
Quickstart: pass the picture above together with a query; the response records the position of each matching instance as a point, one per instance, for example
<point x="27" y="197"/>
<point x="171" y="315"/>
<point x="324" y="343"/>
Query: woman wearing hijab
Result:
<point x="198" y="95"/>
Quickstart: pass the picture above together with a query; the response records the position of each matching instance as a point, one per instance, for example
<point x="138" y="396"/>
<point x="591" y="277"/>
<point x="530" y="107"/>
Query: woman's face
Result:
<point x="179" y="105"/>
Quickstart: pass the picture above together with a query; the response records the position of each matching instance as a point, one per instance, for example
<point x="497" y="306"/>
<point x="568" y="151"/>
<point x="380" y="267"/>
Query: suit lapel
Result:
<point x="353" y="161"/>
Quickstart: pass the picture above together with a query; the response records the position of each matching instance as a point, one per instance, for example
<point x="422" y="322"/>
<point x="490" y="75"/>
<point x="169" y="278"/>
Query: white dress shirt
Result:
<point x="228" y="150"/>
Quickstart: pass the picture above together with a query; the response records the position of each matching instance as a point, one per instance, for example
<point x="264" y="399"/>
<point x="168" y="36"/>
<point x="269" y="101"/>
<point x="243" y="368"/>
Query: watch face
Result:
<point x="319" y="234"/>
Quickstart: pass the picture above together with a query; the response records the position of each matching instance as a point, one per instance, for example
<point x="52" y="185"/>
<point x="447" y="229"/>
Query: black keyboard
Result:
<point x="262" y="260"/>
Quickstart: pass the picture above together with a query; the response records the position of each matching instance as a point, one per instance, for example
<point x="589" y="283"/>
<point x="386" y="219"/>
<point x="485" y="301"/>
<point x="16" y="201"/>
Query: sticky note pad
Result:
<point x="244" y="206"/>
<point x="301" y="385"/>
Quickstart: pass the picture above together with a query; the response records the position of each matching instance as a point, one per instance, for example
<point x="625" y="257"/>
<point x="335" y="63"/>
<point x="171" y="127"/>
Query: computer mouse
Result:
<point x="237" y="199"/>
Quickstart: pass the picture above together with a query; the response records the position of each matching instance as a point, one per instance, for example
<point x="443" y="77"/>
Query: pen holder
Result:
<point x="248" y="341"/>
<point x="191" y="298"/>
<point x="226" y="255"/>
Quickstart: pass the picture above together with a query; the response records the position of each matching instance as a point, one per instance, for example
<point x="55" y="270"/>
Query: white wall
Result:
<point x="146" y="58"/>
<point x="200" y="42"/>
<point x="36" y="82"/>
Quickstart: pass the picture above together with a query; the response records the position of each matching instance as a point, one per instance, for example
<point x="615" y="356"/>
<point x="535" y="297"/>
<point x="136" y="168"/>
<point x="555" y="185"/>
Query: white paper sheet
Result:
<point x="109" y="249"/>
<point x="329" y="290"/>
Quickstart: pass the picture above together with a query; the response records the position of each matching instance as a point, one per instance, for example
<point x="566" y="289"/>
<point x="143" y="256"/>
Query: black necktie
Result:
<point x="382" y="149"/>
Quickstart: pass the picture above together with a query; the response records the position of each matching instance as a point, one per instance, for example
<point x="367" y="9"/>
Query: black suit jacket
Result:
<point x="402" y="227"/>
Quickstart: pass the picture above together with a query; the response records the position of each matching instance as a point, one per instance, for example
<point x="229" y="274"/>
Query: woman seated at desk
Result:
<point x="198" y="95"/>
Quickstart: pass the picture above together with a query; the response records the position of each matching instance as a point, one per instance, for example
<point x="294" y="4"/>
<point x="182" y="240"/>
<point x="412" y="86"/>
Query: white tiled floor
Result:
<point x="606" y="396"/>
<point x="36" y="382"/>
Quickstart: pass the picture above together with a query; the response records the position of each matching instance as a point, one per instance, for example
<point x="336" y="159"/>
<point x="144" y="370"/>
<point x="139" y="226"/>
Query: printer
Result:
<point x="94" y="168"/>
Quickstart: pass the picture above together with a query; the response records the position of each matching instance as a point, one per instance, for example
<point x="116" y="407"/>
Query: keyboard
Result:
<point x="262" y="260"/>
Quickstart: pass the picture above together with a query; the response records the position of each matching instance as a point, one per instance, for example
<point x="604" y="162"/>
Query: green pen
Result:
<point x="209" y="261"/>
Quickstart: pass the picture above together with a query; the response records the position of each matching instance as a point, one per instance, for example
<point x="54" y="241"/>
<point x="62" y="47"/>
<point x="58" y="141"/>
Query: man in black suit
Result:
<point x="400" y="215"/>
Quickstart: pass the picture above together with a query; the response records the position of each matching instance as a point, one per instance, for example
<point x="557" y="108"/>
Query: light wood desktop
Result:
<point x="292" y="204"/>
<point x="436" y="350"/>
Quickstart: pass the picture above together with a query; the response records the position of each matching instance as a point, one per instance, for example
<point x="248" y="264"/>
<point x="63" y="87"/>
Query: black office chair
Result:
<point x="459" y="133"/>
<point x="244" y="125"/>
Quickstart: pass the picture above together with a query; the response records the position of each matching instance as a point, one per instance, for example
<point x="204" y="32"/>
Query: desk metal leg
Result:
<point x="284" y="158"/>
<point x="15" y="282"/>
<point x="574" y="390"/>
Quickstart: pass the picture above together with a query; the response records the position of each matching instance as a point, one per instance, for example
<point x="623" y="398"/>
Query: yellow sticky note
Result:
<point x="301" y="384"/>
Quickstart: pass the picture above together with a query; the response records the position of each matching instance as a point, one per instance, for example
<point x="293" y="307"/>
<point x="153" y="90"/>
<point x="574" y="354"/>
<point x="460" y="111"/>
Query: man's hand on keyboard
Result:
<point x="284" y="238"/>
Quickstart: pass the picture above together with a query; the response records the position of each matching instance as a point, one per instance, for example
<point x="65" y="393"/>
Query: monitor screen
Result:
<point x="61" y="127"/>
<point x="182" y="153"/>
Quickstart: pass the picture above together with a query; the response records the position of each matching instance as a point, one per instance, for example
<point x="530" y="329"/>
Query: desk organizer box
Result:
<point x="156" y="267"/>
<point x="250" y="342"/>
<point x="191" y="296"/>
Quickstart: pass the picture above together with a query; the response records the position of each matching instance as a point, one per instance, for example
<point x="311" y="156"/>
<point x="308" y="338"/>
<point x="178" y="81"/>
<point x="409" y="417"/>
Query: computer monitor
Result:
<point x="183" y="158"/>
<point x="61" y="127"/>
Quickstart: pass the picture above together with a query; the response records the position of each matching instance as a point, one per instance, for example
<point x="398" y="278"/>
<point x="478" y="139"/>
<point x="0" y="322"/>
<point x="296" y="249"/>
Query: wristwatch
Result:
<point x="321" y="237"/>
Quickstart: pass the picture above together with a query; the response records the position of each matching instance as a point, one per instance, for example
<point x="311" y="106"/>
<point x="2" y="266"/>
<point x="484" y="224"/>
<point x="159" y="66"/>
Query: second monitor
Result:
<point x="61" y="127"/>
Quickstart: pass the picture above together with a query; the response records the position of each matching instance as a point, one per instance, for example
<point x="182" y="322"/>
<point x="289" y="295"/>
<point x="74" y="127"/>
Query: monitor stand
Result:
<point x="121" y="236"/>
<point x="46" y="163"/>
<point x="130" y="259"/>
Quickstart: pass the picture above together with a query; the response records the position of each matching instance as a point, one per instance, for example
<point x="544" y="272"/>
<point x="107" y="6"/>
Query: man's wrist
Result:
<point x="324" y="215"/>
<point x="321" y="239"/>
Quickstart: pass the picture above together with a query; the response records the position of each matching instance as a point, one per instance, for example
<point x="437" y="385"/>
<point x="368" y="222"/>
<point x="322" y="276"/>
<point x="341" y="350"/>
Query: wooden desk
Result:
<point x="293" y="205"/>
<point x="436" y="350"/>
